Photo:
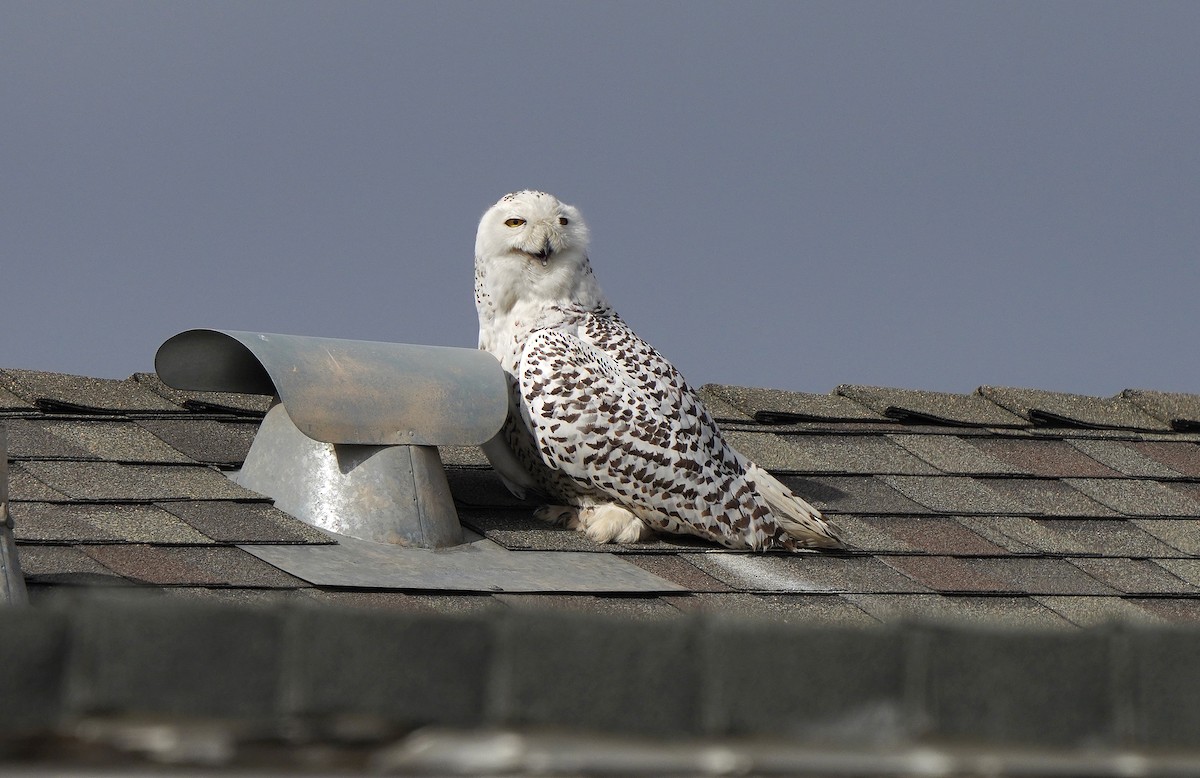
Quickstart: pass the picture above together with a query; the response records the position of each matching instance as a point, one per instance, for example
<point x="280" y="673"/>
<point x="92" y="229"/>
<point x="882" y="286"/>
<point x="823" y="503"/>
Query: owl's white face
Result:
<point x="534" y="228"/>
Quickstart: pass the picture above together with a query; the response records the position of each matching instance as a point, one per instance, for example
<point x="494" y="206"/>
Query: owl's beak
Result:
<point x="544" y="254"/>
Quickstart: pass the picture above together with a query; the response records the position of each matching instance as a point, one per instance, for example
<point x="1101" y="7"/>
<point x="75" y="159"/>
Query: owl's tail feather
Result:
<point x="798" y="519"/>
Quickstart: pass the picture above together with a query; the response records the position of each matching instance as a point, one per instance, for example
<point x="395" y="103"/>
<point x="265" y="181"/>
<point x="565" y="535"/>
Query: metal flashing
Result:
<point x="479" y="566"/>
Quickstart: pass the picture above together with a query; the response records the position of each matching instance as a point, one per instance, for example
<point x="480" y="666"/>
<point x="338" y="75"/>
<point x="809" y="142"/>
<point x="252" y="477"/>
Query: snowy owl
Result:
<point x="599" y="422"/>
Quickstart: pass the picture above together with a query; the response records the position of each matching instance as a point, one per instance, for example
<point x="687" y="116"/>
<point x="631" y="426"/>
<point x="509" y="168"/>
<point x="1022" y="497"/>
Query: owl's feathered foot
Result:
<point x="602" y="523"/>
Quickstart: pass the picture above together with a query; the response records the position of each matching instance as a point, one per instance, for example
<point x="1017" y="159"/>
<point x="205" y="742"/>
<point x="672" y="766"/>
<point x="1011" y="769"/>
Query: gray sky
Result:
<point x="795" y="195"/>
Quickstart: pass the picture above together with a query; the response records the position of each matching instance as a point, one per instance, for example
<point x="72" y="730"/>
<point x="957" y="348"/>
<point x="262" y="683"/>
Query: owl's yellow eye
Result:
<point x="563" y="220"/>
<point x="514" y="222"/>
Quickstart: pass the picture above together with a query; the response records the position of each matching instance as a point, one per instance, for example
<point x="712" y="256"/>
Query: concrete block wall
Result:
<point x="313" y="667"/>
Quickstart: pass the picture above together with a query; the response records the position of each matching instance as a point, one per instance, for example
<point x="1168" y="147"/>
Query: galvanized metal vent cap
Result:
<point x="349" y="391"/>
<point x="370" y="415"/>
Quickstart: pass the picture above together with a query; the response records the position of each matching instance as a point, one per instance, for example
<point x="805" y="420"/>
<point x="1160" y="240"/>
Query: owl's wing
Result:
<point x="607" y="410"/>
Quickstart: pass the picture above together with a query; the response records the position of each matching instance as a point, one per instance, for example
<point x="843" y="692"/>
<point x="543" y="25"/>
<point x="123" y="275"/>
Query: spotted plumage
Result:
<point x="599" y="422"/>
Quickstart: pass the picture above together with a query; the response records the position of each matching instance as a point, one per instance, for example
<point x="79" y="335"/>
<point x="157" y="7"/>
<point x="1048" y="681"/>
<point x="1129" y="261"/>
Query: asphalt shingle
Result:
<point x="856" y="454"/>
<point x="1183" y="458"/>
<point x="244" y="522"/>
<point x="1183" y="534"/>
<point x="852" y="494"/>
<point x="1135" y="576"/>
<point x="190" y="566"/>
<point x="1050" y="497"/>
<point x="1056" y="408"/>
<point x="950" y="502"/>
<point x="804" y="573"/>
<point x="110" y="481"/>
<point x="1045" y="458"/>
<point x="100" y="522"/>
<point x="942" y="535"/>
<point x="34" y="440"/>
<point x="1137" y="498"/>
<point x="951" y="454"/>
<point x="1011" y="575"/>
<point x="955" y="495"/>
<point x="115" y="441"/>
<point x="771" y="406"/>
<point x="1004" y="611"/>
<point x="1180" y="411"/>
<point x="1124" y="459"/>
<point x="59" y="392"/>
<point x="937" y="407"/>
<point x="205" y="402"/>
<point x="205" y="440"/>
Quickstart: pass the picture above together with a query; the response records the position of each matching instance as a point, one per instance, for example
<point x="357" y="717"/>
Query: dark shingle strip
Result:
<point x="838" y="454"/>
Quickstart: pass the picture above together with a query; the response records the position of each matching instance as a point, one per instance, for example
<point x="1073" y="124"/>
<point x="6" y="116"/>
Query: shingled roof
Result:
<point x="1001" y="508"/>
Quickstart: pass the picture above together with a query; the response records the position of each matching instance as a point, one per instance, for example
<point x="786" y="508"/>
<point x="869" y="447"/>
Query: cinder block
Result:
<point x="576" y="671"/>
<point x="1165" y="676"/>
<point x="1021" y="687"/>
<point x="33" y="651"/>
<point x="143" y="656"/>
<point x="818" y="684"/>
<point x="409" y="669"/>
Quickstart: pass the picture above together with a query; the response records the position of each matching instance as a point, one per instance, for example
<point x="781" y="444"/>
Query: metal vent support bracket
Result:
<point x="350" y="444"/>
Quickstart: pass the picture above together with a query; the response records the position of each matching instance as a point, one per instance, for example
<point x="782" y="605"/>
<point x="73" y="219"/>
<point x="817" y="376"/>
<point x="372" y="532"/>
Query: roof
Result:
<point x="1005" y="507"/>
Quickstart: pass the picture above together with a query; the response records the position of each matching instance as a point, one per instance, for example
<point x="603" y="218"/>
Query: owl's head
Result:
<point x="534" y="228"/>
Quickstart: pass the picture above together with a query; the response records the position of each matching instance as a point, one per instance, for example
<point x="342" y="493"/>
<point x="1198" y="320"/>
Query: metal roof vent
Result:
<point x="12" y="583"/>
<point x="350" y="443"/>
